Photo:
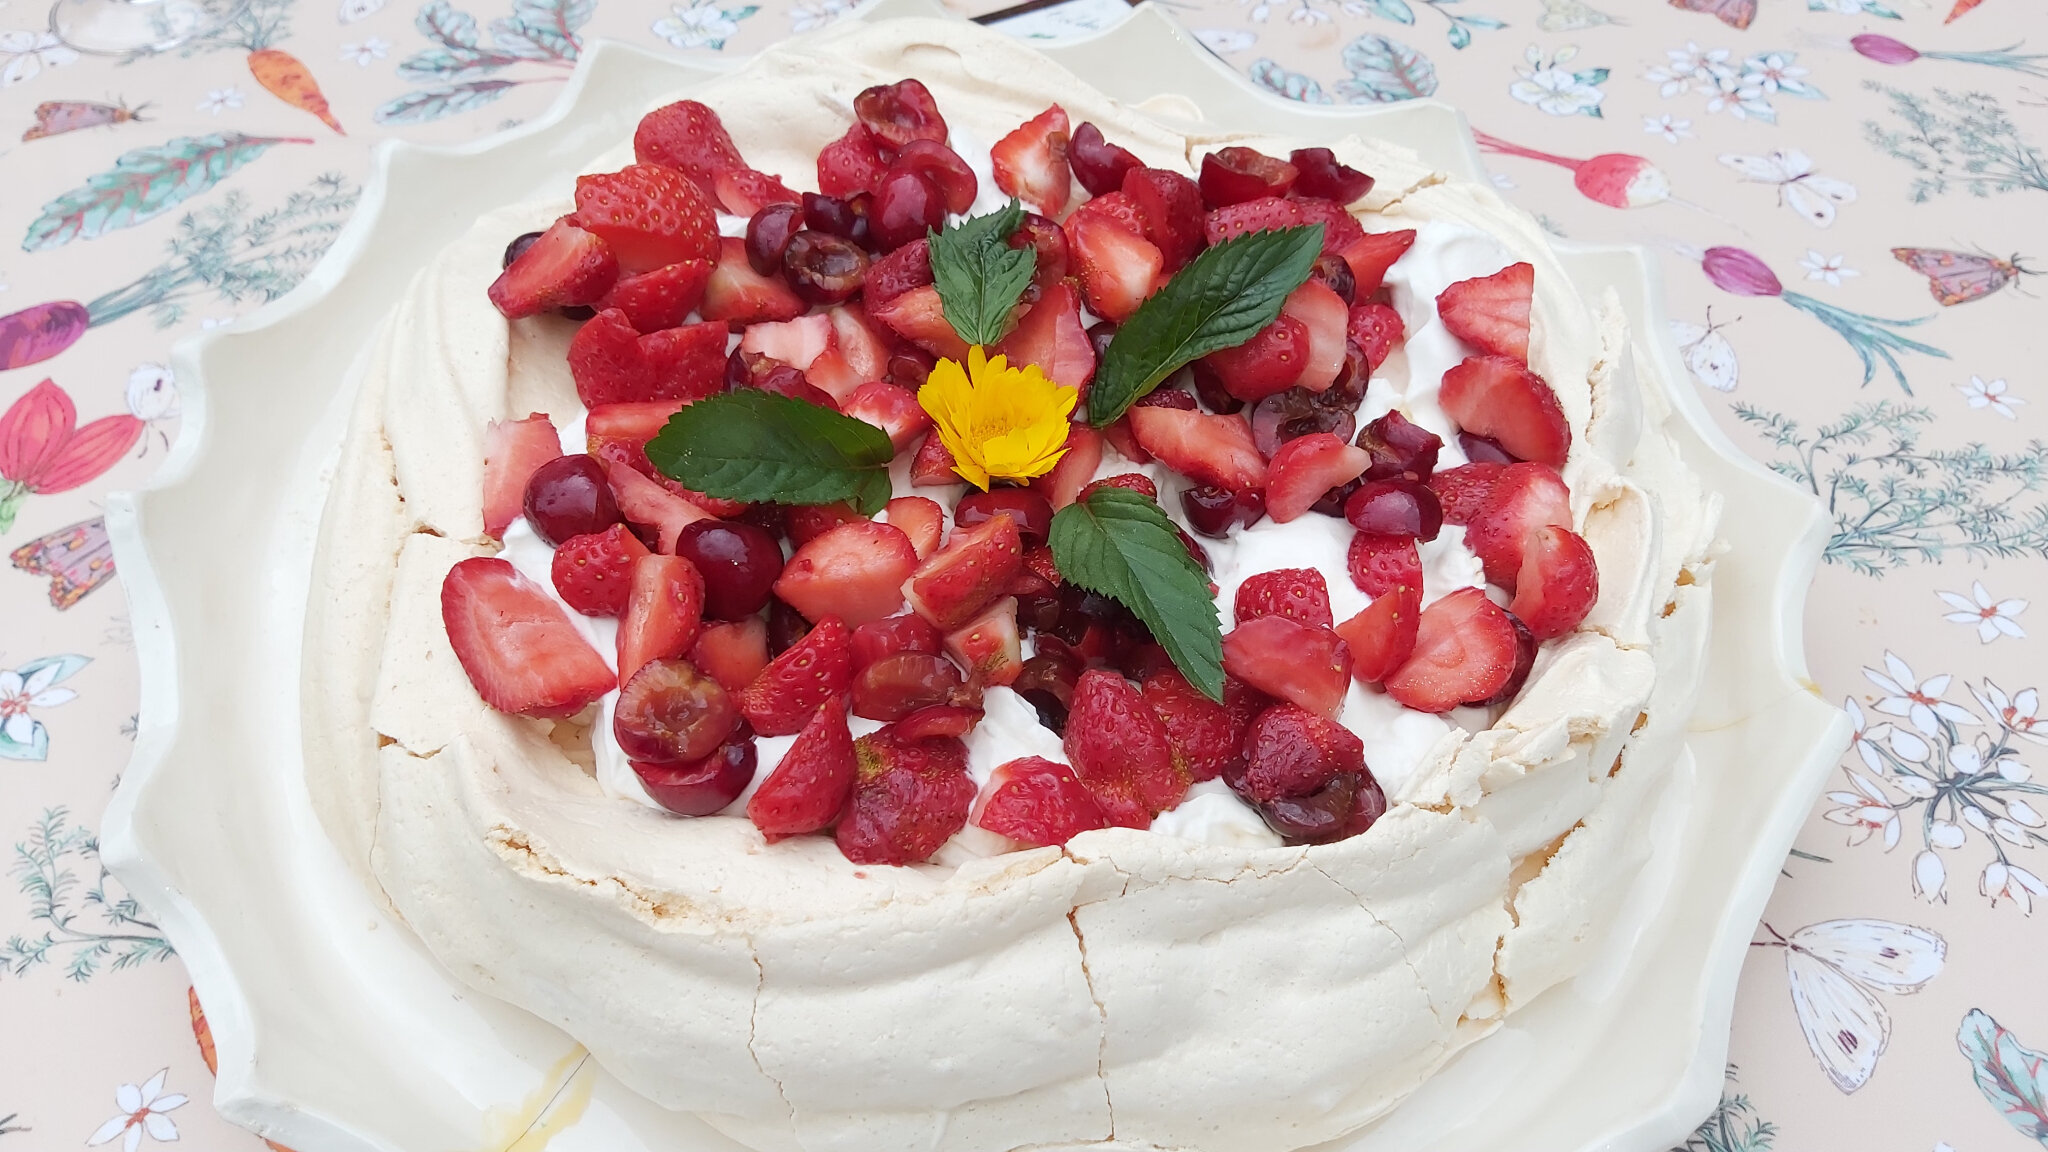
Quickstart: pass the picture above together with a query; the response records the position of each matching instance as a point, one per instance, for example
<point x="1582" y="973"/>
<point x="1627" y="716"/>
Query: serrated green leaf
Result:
<point x="1220" y="300"/>
<point x="1120" y="544"/>
<point x="978" y="275"/>
<point x="763" y="448"/>
<point x="145" y="183"/>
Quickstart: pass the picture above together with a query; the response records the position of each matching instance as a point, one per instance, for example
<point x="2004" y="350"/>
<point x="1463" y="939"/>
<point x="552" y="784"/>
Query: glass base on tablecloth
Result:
<point x="127" y="27"/>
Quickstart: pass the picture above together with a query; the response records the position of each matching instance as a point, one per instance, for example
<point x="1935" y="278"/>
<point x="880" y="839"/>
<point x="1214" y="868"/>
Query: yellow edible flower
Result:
<point x="999" y="422"/>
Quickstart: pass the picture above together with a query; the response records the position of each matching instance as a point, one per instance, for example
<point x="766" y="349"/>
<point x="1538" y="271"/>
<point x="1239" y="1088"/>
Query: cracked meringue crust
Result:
<point x="1133" y="990"/>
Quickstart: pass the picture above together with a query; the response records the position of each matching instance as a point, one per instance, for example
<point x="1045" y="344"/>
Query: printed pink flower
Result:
<point x="1883" y="49"/>
<point x="1734" y="270"/>
<point x="43" y="450"/>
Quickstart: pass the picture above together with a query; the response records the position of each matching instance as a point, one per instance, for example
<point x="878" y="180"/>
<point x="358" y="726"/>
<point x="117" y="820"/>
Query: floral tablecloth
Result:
<point x="1844" y="194"/>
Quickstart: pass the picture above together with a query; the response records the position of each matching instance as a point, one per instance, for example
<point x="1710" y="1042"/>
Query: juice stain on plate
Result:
<point x="549" y="1110"/>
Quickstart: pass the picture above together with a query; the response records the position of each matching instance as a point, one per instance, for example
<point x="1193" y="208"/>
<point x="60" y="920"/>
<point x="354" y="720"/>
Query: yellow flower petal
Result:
<point x="999" y="422"/>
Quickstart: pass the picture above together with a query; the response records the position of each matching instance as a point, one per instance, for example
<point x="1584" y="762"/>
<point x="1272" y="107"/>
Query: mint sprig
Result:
<point x="1220" y="300"/>
<point x="1120" y="544"/>
<point x="978" y="275"/>
<point x="761" y="447"/>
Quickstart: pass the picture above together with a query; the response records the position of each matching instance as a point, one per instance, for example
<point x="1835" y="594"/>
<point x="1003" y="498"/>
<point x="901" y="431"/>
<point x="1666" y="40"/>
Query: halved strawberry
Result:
<point x="743" y="191"/>
<point x="1110" y="208"/>
<point x="1170" y="211"/>
<point x="1206" y="737"/>
<point x="1031" y="162"/>
<point x="737" y="294"/>
<point x="689" y="136"/>
<point x="832" y="378"/>
<point x="594" y="572"/>
<point x="851" y="164"/>
<point x="1121" y="751"/>
<point x="1261" y="215"/>
<point x="1491" y="313"/>
<point x="988" y="645"/>
<point x="1207" y="449"/>
<point x="634" y="421"/>
<point x="1464" y="489"/>
<point x="794" y="685"/>
<point x="920" y="519"/>
<point x="1465" y="651"/>
<point x="917" y="316"/>
<point x="807" y="790"/>
<point x="806" y="522"/>
<point x="897" y="272"/>
<point x="512" y="450"/>
<point x="932" y="466"/>
<point x="1063" y="485"/>
<point x="894" y="410"/>
<point x="651" y="215"/>
<point x="664" y="612"/>
<point x="1305" y="468"/>
<point x="1322" y="312"/>
<point x="1340" y="228"/>
<point x="647" y="504"/>
<point x="519" y="648"/>
<point x="566" y="267"/>
<point x="662" y="298"/>
<point x="1496" y="397"/>
<point x="890" y="635"/>
<point x="856" y="571"/>
<point x="1557" y="584"/>
<point x="1132" y="481"/>
<point x="612" y="363"/>
<point x="795" y="342"/>
<point x="1270" y="362"/>
<point x="1303" y="663"/>
<point x="1376" y="329"/>
<point x="1117" y="268"/>
<point x="1371" y="255"/>
<point x="1525" y="498"/>
<point x="970" y="571"/>
<point x="1037" y="802"/>
<point x="854" y="337"/>
<point x="1382" y="635"/>
<point x="909" y="798"/>
<point x="1379" y="564"/>
<point x="1050" y="335"/>
<point x="1296" y="593"/>
<point x="732" y="652"/>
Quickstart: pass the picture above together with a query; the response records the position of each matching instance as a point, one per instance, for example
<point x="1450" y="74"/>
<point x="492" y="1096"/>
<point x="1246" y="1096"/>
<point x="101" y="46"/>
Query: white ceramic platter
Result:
<point x="338" y="1033"/>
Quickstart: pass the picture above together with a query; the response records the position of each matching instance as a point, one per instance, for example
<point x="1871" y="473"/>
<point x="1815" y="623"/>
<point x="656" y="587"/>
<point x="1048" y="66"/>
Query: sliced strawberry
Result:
<point x="512" y="450"/>
<point x="662" y="298"/>
<point x="1037" y="802"/>
<point x="900" y="113"/>
<point x="566" y="267"/>
<point x="908" y="632"/>
<point x="688" y="136"/>
<point x="794" y="685"/>
<point x="807" y="790"/>
<point x="647" y="504"/>
<point x="1119" y="436"/>
<point x="1208" y="449"/>
<point x="1050" y="334"/>
<point x="851" y="164"/>
<point x="1031" y="162"/>
<point x="732" y="652"/>
<point x="1379" y="564"/>
<point x="938" y="720"/>
<point x="1464" y="489"/>
<point x="1121" y="751"/>
<point x="1063" y="485"/>
<point x="594" y="572"/>
<point x="898" y="272"/>
<point x="917" y="316"/>
<point x="683" y="363"/>
<point x="664" y="612"/>
<point x="1340" y="228"/>
<point x="1371" y="255"/>
<point x="652" y="216"/>
<point x="519" y="648"/>
<point x="743" y="191"/>
<point x="922" y="520"/>
<point x="855" y="571"/>
<point x="1296" y="593"/>
<point x="1117" y="269"/>
<point x="1170" y="211"/>
<point x="1234" y="175"/>
<point x="1132" y="481"/>
<point x="1496" y="397"/>
<point x="894" y="410"/>
<point x="988" y="645"/>
<point x="1525" y="498"/>
<point x="1305" y="468"/>
<point x="855" y="338"/>
<point x="1465" y="651"/>
<point x="1291" y="752"/>
<point x="1491" y="313"/>
<point x="933" y="467"/>
<point x="1382" y="635"/>
<point x="636" y="421"/>
<point x="909" y="798"/>
<point x="1039" y="562"/>
<point x="1322" y="312"/>
<point x="1206" y="737"/>
<point x="782" y="380"/>
<point x="1111" y="208"/>
<point x="832" y="377"/>
<point x="795" y="342"/>
<point x="1262" y="215"/>
<point x="1270" y="362"/>
<point x="1302" y="663"/>
<point x="970" y="571"/>
<point x="806" y="522"/>
<point x="1376" y="329"/>
<point x="1557" y="584"/>
<point x="737" y="294"/>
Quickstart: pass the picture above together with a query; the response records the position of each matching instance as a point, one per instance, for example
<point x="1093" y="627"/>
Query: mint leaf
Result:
<point x="1220" y="300"/>
<point x="978" y="275"/>
<point x="761" y="448"/>
<point x="1119" y="543"/>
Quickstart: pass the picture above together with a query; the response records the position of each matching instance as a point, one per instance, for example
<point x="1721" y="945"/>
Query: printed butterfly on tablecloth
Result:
<point x="1707" y="354"/>
<point x="1835" y="970"/>
<point x="1960" y="277"/>
<point x="1733" y="13"/>
<point x="56" y="117"/>
<point x="1800" y="188"/>
<point x="77" y="559"/>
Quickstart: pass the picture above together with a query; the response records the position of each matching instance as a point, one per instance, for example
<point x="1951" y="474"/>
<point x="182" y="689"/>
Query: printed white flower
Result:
<point x="23" y="55"/>
<point x="1224" y="41"/>
<point x="1918" y="701"/>
<point x="143" y="1110"/>
<point x="367" y="53"/>
<point x="2020" y="715"/>
<point x="18" y="694"/>
<point x="1864" y="811"/>
<point x="696" y="26"/>
<point x="1992" y="618"/>
<point x="1502" y="181"/>
<point x="1930" y="878"/>
<point x="2003" y="881"/>
<point x="1304" y="14"/>
<point x="1689" y="67"/>
<point x="1906" y="745"/>
<point x="2021" y="812"/>
<point x="1774" y="72"/>
<point x="1990" y="394"/>
<point x="1965" y="760"/>
<point x="2009" y="832"/>
<point x="1918" y="787"/>
<point x="817" y="14"/>
<point x="219" y="100"/>
<point x="1975" y="818"/>
<point x="1556" y="90"/>
<point x="1867" y="736"/>
<point x="1671" y="128"/>
<point x="1828" y="268"/>
<point x="351" y="11"/>
<point x="1943" y="834"/>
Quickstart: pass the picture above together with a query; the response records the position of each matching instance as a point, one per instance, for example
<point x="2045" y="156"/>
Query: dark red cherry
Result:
<point x="1098" y="164"/>
<point x="1335" y="273"/>
<point x="1031" y="511"/>
<point x="1483" y="450"/>
<point x="1395" y="508"/>
<point x="1214" y="511"/>
<point x="944" y="168"/>
<point x="768" y="235"/>
<point x="1051" y="243"/>
<point x="900" y="112"/>
<point x="1209" y="387"/>
<point x="786" y="626"/>
<point x="1399" y="448"/>
<point x="1296" y="412"/>
<point x="1525" y="659"/>
<point x="669" y="712"/>
<point x="702" y="787"/>
<point x="1167" y="397"/>
<point x="901" y="683"/>
<point x="1322" y="176"/>
<point x="909" y="365"/>
<point x="823" y="268"/>
<point x="907" y="206"/>
<point x="569" y="496"/>
<point x="1234" y="175"/>
<point x="739" y="562"/>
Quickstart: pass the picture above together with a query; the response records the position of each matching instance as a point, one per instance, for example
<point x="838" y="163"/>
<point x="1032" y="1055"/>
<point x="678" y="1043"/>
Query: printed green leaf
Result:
<point x="1220" y="300"/>
<point x="434" y="103"/>
<point x="764" y="448"/>
<point x="2013" y="1078"/>
<point x="144" y="184"/>
<point x="1120" y="544"/>
<point x="978" y="275"/>
<point x="1386" y="71"/>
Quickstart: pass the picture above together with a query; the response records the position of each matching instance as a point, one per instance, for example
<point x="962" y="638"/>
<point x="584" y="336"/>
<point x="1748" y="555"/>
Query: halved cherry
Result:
<point x="900" y="113"/>
<point x="669" y="712"/>
<point x="1234" y="175"/>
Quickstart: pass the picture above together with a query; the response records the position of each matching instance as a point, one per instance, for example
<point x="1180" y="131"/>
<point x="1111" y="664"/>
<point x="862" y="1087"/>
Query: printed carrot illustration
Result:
<point x="284" y="76"/>
<point x="1962" y="7"/>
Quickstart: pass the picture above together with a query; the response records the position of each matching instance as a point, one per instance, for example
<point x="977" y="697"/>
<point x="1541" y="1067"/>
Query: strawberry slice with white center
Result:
<point x="854" y="337"/>
<point x="1037" y="802"/>
<point x="894" y="410"/>
<point x="519" y="648"/>
<point x="1306" y="467"/>
<point x="664" y="612"/>
<point x="1558" y="582"/>
<point x="1382" y="635"/>
<point x="513" y="449"/>
<point x="1117" y="267"/>
<point x="917" y="316"/>
<point x="732" y="653"/>
<point x="1031" y="162"/>
<point x="1051" y="335"/>
<point x="737" y="294"/>
<point x="856" y="571"/>
<point x="1466" y="649"/>
<point x="988" y="645"/>
<point x="1371" y="255"/>
<point x="962" y="578"/>
<point x="1491" y="313"/>
<point x="795" y="342"/>
<point x="932" y="467"/>
<point x="651" y="216"/>
<point x="1302" y="663"/>
<point x="647" y="503"/>
<point x="1525" y="498"/>
<point x="566" y="267"/>
<point x="1075" y="470"/>
<point x="612" y="363"/>
<point x="1500" y="399"/>
<point x="1322" y="312"/>
<point x="1207" y="449"/>
<point x="1376" y="329"/>
<point x="920" y="519"/>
